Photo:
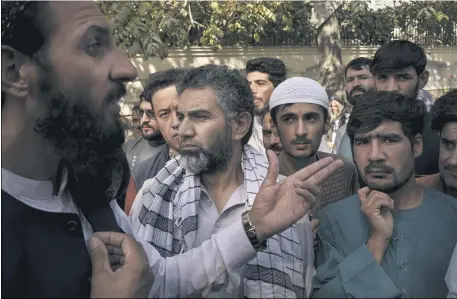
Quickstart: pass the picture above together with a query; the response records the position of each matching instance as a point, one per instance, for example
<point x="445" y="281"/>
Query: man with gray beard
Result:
<point x="191" y="210"/>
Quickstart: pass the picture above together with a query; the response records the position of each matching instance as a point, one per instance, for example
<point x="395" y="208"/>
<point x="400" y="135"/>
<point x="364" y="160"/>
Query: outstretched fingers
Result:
<point x="310" y="170"/>
<point x="324" y="171"/>
<point x="305" y="185"/>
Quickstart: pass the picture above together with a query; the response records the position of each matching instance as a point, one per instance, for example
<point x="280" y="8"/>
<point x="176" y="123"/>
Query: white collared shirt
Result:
<point x="39" y="195"/>
<point x="256" y="140"/>
<point x="206" y="269"/>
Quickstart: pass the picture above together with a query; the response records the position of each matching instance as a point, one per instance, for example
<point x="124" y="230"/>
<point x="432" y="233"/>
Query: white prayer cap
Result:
<point x="299" y="90"/>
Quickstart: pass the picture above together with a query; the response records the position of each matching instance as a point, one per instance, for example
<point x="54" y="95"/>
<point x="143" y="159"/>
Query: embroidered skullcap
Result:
<point x="299" y="90"/>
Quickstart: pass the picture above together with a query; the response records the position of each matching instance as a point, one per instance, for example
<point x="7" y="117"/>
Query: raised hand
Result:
<point x="279" y="205"/>
<point x="120" y="268"/>
<point x="378" y="207"/>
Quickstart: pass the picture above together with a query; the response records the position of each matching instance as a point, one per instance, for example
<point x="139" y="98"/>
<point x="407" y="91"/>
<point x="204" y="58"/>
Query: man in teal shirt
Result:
<point x="394" y="238"/>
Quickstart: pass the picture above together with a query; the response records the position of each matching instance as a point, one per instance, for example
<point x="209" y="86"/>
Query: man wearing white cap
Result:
<point x="299" y="111"/>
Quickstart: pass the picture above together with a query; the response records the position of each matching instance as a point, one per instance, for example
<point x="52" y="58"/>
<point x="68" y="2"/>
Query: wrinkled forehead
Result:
<point x="266" y="123"/>
<point x="365" y="70"/>
<point x="165" y="97"/>
<point x="257" y="76"/>
<point x="387" y="127"/>
<point x="72" y="18"/>
<point x="410" y="70"/>
<point x="450" y="131"/>
<point x="145" y="105"/>
<point x="300" y="109"/>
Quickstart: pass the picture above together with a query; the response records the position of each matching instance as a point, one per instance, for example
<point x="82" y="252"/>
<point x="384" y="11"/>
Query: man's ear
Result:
<point x="13" y="79"/>
<point x="242" y="123"/>
<point x="423" y="79"/>
<point x="417" y="145"/>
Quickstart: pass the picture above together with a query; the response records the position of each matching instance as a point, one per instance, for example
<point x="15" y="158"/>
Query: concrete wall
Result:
<point x="300" y="61"/>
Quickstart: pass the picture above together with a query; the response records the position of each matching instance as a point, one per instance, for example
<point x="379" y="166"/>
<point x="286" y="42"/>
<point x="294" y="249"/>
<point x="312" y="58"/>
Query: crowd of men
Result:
<point x="230" y="191"/>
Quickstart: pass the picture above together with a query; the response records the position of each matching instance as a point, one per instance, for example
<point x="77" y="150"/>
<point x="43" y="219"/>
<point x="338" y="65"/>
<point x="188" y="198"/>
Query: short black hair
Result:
<point x="25" y="25"/>
<point x="161" y="80"/>
<point x="232" y="89"/>
<point x="274" y="112"/>
<point x="397" y="55"/>
<point x="357" y="64"/>
<point x="274" y="67"/>
<point x="444" y="110"/>
<point x="378" y="106"/>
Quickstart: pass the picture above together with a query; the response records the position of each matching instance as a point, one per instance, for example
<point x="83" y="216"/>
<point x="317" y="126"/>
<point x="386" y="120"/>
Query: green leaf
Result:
<point x="256" y="37"/>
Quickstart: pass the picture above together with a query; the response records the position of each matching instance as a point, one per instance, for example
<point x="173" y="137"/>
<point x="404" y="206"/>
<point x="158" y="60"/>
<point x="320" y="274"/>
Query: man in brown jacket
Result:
<point x="444" y="120"/>
<point x="299" y="113"/>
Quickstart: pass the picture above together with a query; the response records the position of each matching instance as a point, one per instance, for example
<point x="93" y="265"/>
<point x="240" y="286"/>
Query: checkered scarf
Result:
<point x="168" y="220"/>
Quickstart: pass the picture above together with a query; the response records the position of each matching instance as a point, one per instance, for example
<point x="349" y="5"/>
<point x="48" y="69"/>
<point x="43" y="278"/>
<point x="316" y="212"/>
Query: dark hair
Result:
<point x="375" y="107"/>
<point x="397" y="55"/>
<point x="444" y="110"/>
<point x="232" y="89"/>
<point x="274" y="112"/>
<point x="274" y="67"/>
<point x="24" y="27"/>
<point x="358" y="64"/>
<point x="161" y="80"/>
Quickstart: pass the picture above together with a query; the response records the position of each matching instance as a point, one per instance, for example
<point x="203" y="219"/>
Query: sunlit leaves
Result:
<point x="151" y="28"/>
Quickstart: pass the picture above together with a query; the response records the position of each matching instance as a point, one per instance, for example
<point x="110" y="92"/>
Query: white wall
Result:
<point x="300" y="61"/>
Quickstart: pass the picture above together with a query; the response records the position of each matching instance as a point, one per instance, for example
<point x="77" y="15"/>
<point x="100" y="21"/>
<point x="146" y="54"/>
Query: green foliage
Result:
<point x="151" y="28"/>
<point x="148" y="28"/>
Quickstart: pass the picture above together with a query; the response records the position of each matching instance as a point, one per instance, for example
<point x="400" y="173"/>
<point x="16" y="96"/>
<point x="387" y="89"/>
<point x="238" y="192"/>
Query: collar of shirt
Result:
<point x="238" y="197"/>
<point x="18" y="186"/>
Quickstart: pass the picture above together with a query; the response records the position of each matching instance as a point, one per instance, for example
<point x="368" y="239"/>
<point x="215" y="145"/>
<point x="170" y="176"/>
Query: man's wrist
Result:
<point x="253" y="231"/>
<point x="377" y="245"/>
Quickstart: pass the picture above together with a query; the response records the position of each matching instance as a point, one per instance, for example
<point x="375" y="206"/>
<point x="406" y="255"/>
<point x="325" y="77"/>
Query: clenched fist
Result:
<point x="120" y="268"/>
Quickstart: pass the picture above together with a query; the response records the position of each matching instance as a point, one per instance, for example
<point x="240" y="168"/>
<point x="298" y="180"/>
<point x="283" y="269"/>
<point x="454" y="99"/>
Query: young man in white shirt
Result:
<point x="359" y="81"/>
<point x="263" y="74"/>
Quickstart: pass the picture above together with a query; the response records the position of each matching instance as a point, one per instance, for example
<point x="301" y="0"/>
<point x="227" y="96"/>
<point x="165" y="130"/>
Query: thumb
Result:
<point x="99" y="255"/>
<point x="273" y="170"/>
<point x="363" y="194"/>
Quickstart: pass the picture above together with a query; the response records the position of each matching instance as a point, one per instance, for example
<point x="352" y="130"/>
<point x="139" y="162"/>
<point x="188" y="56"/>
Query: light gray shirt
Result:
<point x="214" y="267"/>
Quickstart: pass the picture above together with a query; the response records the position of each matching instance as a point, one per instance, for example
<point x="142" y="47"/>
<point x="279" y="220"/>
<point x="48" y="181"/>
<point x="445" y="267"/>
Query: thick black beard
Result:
<point x="90" y="149"/>
<point x="157" y="136"/>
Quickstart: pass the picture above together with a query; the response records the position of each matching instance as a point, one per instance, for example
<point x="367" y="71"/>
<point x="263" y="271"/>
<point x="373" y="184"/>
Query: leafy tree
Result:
<point x="151" y="28"/>
<point x="329" y="44"/>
